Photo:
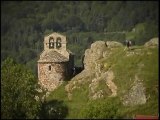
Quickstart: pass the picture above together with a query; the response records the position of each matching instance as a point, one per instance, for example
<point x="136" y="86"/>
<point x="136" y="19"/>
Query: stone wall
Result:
<point x="51" y="79"/>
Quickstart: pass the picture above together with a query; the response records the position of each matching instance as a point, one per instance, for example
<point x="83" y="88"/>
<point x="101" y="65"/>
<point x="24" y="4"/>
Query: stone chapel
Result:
<point x="55" y="63"/>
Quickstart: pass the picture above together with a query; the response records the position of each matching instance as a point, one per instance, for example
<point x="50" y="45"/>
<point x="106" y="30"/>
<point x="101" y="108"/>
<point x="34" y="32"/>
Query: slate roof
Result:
<point x="52" y="56"/>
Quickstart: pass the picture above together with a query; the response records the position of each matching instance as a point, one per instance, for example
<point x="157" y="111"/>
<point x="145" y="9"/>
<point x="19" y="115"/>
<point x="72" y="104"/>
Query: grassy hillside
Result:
<point x="141" y="61"/>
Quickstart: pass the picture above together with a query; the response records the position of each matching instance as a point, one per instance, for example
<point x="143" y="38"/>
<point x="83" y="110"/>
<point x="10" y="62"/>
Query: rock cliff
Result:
<point x="93" y="72"/>
<point x="101" y="77"/>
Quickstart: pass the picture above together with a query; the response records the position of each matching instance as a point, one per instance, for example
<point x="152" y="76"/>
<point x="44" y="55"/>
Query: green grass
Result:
<point x="125" y="68"/>
<point x="102" y="86"/>
<point x="79" y="99"/>
<point x="59" y="93"/>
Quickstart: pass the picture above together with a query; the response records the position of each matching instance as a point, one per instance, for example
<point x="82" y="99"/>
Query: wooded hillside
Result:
<point x="24" y="24"/>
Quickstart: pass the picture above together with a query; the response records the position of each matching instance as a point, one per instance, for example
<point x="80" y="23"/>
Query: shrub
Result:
<point x="100" y="109"/>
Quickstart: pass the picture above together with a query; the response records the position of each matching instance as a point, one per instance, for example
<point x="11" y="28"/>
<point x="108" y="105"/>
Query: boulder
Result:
<point x="97" y="51"/>
<point x="113" y="44"/>
<point x="94" y="53"/>
<point x="152" y="42"/>
<point x="136" y="95"/>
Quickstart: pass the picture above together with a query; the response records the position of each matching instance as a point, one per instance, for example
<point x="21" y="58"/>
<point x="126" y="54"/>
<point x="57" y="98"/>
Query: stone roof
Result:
<point x="52" y="56"/>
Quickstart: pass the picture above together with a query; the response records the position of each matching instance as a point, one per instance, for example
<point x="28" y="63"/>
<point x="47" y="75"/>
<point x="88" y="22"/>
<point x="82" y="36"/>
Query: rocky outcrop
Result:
<point x="111" y="85"/>
<point x="113" y="44"/>
<point x="107" y="77"/>
<point x="79" y="80"/>
<point x="136" y="94"/>
<point x="98" y="50"/>
<point x="93" y="73"/>
<point x="94" y="53"/>
<point x="98" y="76"/>
<point x="152" y="42"/>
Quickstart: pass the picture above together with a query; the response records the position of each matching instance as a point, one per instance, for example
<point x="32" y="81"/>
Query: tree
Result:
<point x="18" y="88"/>
<point x="74" y="22"/>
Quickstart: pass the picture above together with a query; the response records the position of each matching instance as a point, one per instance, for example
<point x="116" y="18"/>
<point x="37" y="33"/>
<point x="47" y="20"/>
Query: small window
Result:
<point x="49" y="67"/>
<point x="58" y="42"/>
<point x="51" y="42"/>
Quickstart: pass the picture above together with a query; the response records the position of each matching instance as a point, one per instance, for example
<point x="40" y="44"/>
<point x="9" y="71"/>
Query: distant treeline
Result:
<point x="24" y="24"/>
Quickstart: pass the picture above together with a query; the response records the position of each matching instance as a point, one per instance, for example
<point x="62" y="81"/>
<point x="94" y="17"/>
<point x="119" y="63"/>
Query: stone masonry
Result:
<point x="55" y="63"/>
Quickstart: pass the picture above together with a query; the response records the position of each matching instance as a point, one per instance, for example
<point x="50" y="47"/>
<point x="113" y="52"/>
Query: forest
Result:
<point x="25" y="23"/>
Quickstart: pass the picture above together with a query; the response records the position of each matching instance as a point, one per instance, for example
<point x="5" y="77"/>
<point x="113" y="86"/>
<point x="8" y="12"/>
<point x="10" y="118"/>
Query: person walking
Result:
<point x="128" y="44"/>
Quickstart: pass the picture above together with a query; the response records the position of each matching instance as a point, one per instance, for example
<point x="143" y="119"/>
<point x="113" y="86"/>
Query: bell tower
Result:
<point x="55" y="63"/>
<point x="56" y="42"/>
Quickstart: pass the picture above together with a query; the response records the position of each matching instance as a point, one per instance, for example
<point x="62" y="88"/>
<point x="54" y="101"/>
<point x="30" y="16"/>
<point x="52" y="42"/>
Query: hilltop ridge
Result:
<point x="112" y="72"/>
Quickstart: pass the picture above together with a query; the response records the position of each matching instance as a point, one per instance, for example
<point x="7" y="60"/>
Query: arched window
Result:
<point x="58" y="42"/>
<point x="51" y="42"/>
